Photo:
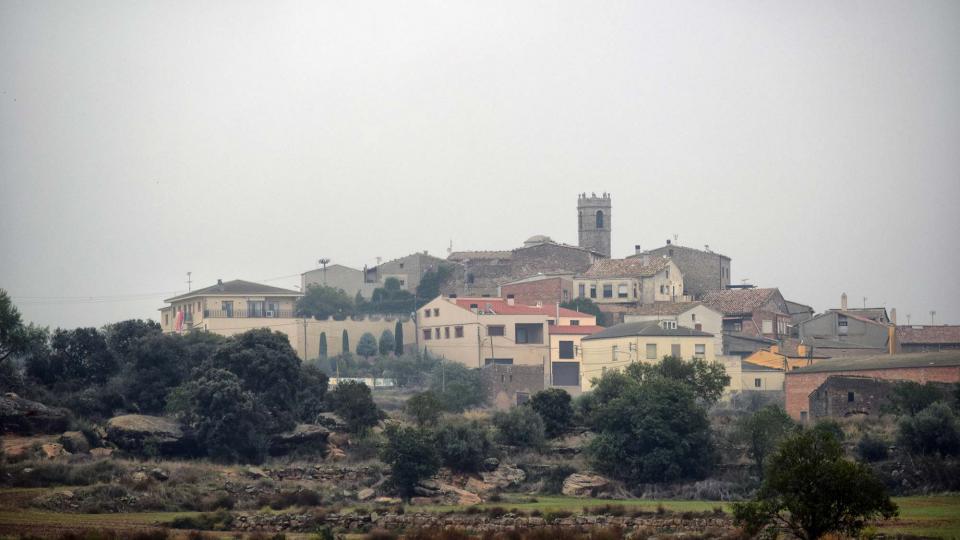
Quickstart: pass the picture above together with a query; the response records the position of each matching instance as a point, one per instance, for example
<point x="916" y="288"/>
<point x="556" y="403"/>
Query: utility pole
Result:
<point x="932" y="315"/>
<point x="864" y="302"/>
<point x="305" y="339"/>
<point x="189" y="281"/>
<point x="324" y="262"/>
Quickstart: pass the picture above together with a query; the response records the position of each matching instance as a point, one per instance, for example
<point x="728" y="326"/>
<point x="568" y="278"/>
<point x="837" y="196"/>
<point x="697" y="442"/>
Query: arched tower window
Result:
<point x="579" y="221"/>
<point x="599" y="219"/>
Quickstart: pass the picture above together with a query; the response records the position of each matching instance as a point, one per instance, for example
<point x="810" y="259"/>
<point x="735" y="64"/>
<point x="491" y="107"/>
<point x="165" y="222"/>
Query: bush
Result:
<point x="553" y="406"/>
<point x="935" y="430"/>
<point x="220" y="520"/>
<point x="463" y="445"/>
<point x="45" y="474"/>
<point x="353" y="402"/>
<point x="411" y="455"/>
<point x="457" y="386"/>
<point x="521" y="427"/>
<point x="424" y="408"/>
<point x="872" y="448"/>
<point x="367" y="346"/>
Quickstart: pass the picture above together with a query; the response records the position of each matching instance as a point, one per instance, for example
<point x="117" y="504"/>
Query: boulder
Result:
<point x="75" y="442"/>
<point x="23" y="416"/>
<point x="584" y="485"/>
<point x="53" y="450"/>
<point x="491" y="464"/>
<point x="340" y="439"/>
<point x="135" y="432"/>
<point x="159" y="474"/>
<point x="448" y="493"/>
<point x="256" y="472"/>
<point x="504" y="476"/>
<point x="101" y="452"/>
<point x="139" y="477"/>
<point x="335" y="454"/>
<point x="302" y="437"/>
<point x="365" y="494"/>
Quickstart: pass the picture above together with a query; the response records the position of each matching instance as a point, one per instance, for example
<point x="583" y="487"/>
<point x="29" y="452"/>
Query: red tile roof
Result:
<point x="929" y="334"/>
<point x="575" y="330"/>
<point x="736" y="301"/>
<point x="626" y="268"/>
<point x="500" y="306"/>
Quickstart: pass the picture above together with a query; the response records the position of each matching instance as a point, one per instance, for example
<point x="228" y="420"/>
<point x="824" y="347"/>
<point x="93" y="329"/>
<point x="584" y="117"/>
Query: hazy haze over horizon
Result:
<point x="815" y="143"/>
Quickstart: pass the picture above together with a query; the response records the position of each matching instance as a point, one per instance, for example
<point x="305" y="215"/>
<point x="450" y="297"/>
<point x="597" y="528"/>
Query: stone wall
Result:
<point x="503" y="383"/>
<point x="702" y="271"/>
<point x="799" y="386"/>
<point x="845" y="395"/>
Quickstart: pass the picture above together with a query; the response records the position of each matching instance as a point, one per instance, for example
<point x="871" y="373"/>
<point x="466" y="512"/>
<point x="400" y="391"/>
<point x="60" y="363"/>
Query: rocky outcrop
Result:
<point x="304" y="437"/>
<point x="503" y="476"/>
<point x="26" y="417"/>
<point x="137" y="432"/>
<point x="75" y="441"/>
<point x="584" y="485"/>
<point x="443" y="493"/>
<point x="53" y="450"/>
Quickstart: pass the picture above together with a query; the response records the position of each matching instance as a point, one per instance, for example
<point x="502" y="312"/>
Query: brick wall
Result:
<point x="799" y="386"/>
<point x="549" y="291"/>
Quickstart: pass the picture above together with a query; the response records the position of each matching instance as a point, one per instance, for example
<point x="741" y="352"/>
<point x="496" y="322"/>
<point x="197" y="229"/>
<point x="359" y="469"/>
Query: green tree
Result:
<point x="367" y="346"/>
<point x="521" y="427"/>
<point x="649" y="431"/>
<point x="934" y="430"/>
<point x="811" y="490"/>
<point x="585" y="305"/>
<point x="873" y="448"/>
<point x="463" y="444"/>
<point x="353" y="402"/>
<point x="762" y="431"/>
<point x="458" y="387"/>
<point x="706" y="379"/>
<point x="386" y="344"/>
<point x="158" y="363"/>
<point x="554" y="406"/>
<point x="398" y="339"/>
<point x="424" y="408"/>
<point x="227" y="420"/>
<point x="431" y="282"/>
<point x="13" y="334"/>
<point x="321" y="302"/>
<point x="311" y="395"/>
<point x="80" y="356"/>
<point x="411" y="455"/>
<point x="910" y="397"/>
<point x="390" y="298"/>
<point x="323" y="345"/>
<point x="267" y="367"/>
<point x="345" y="343"/>
<point x="122" y="335"/>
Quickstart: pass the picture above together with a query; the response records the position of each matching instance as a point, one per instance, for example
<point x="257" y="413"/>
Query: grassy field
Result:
<point x="934" y="516"/>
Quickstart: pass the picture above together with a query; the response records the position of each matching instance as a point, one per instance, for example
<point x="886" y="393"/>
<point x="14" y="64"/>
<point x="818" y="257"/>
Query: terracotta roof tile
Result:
<point x="584" y="330"/>
<point x="626" y="268"/>
<point x="666" y="309"/>
<point x="929" y="334"/>
<point x="237" y="286"/>
<point x="736" y="301"/>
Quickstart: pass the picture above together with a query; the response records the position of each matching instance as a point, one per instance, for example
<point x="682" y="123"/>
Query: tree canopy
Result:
<point x="706" y="379"/>
<point x="412" y="456"/>
<point x="761" y="432"/>
<point x="554" y="406"/>
<point x="321" y="302"/>
<point x="585" y="305"/>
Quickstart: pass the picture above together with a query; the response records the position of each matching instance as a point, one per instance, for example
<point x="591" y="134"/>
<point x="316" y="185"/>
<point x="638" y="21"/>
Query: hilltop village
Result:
<point x="545" y="314"/>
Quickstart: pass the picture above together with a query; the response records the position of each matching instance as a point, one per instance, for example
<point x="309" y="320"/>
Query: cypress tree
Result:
<point x="346" y="343"/>
<point x="398" y="338"/>
<point x="323" y="345"/>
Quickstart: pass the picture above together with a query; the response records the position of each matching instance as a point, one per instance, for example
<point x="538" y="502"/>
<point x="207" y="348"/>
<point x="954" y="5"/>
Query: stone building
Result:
<point x="847" y="327"/>
<point x="841" y="396"/>
<point x="546" y="289"/>
<point x="338" y="276"/>
<point x="800" y="383"/>
<point x="703" y="270"/>
<point x="631" y="281"/>
<point x="408" y="270"/>
<point x="594" y="222"/>
<point x="754" y="312"/>
<point x="509" y="385"/>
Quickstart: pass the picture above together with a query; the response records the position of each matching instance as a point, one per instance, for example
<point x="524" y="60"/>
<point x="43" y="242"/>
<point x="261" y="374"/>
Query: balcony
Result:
<point x="246" y="314"/>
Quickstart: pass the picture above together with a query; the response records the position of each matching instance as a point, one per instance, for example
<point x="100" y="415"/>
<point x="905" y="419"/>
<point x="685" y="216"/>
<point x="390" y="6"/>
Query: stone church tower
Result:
<point x="593" y="222"/>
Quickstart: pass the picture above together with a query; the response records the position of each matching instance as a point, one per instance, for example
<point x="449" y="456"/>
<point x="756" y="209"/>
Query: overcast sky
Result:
<point x="815" y="143"/>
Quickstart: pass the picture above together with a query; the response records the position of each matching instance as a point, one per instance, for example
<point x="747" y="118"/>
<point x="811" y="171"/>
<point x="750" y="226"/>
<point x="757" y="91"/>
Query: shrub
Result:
<point x="553" y="406"/>
<point x="457" y="386"/>
<point x="424" y="408"/>
<point x="463" y="445"/>
<point x="220" y="520"/>
<point x="353" y="402"/>
<point x="873" y="448"/>
<point x="521" y="427"/>
<point x="935" y="430"/>
<point x="411" y="455"/>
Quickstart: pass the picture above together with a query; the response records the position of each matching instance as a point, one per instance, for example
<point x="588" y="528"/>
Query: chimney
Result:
<point x="892" y="338"/>
<point x="893" y="316"/>
<point x="668" y="241"/>
<point x="219" y="284"/>
<point x="510" y="300"/>
<point x="637" y="250"/>
<point x="843" y="301"/>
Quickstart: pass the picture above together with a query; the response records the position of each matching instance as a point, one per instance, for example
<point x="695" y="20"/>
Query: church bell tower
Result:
<point x="593" y="222"/>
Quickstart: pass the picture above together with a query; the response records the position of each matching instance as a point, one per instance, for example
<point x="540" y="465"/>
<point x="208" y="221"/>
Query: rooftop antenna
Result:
<point x="864" y="302"/>
<point x="675" y="236"/>
<point x="189" y="281"/>
<point x="908" y="319"/>
<point x="933" y="314"/>
<point x="324" y="262"/>
<point x="450" y="247"/>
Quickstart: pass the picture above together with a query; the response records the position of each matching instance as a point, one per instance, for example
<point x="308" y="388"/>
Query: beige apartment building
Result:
<point x="649" y="341"/>
<point x="694" y="315"/>
<point x="643" y="280"/>
<point x="482" y="331"/>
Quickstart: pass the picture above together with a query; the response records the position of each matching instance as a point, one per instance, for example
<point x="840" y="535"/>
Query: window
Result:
<point x="427" y="334"/>
<point x="668" y="272"/>
<point x="757" y="383"/>
<point x="693" y="317"/>
<point x="850" y="397"/>
<point x="401" y="267"/>
<point x="426" y="313"/>
<point x="566" y="295"/>
<point x="495" y="330"/>
<point x="522" y="397"/>
<point x="581" y="290"/>
<point x="458" y="331"/>
<point x="446" y="332"/>
<point x="593" y="291"/>
<point x="613" y="355"/>
<point x="736" y="326"/>
<point x="474" y="307"/>
<point x="499" y="362"/>
<point x="700" y="350"/>
<point x="599" y="219"/>
<point x="529" y="333"/>
<point x="608" y="291"/>
<point x="574" y="322"/>
<point x="803" y="417"/>
<point x="842" y="322"/>
<point x="767" y="326"/>
<point x="470" y="278"/>
<point x="402" y="283"/>
<point x="675" y="350"/>
<point x="566" y="373"/>
<point x="551" y="322"/>
<point x="436" y="312"/>
<point x="651" y="351"/>
<point x="566" y="350"/>
<point x="622" y="291"/>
